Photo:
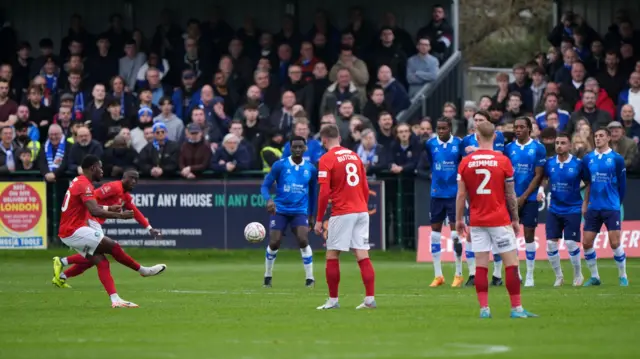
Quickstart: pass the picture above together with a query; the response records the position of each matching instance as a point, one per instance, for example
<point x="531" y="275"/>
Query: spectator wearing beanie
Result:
<point x="195" y="154"/>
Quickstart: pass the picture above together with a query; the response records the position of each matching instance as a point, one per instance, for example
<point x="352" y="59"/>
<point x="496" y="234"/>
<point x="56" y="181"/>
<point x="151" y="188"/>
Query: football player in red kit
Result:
<point x="80" y="229"/>
<point x="486" y="177"/>
<point x="114" y="195"/>
<point x="343" y="180"/>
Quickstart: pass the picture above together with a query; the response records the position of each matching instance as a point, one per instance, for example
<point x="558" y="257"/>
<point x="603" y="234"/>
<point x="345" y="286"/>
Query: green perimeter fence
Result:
<point x="398" y="202"/>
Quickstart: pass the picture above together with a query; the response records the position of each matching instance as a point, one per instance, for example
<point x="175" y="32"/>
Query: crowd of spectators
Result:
<point x="585" y="81"/>
<point x="214" y="98"/>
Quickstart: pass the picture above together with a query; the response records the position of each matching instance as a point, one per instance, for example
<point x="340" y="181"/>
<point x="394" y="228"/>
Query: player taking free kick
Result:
<point x="342" y="179"/>
<point x="486" y="176"/>
<point x="80" y="230"/>
<point x="114" y="195"/>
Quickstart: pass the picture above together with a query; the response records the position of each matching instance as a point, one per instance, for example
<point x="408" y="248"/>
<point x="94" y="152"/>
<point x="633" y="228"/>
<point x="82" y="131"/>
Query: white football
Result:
<point x="254" y="232"/>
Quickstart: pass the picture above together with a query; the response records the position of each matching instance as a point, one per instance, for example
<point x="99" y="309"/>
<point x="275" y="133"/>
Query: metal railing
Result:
<point x="446" y="88"/>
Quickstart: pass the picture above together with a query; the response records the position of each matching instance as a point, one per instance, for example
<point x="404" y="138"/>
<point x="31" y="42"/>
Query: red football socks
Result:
<point x="513" y="285"/>
<point x="104" y="273"/>
<point x="123" y="258"/>
<point x="332" y="272"/>
<point x="77" y="269"/>
<point x="482" y="286"/>
<point x="368" y="276"/>
<point x="77" y="259"/>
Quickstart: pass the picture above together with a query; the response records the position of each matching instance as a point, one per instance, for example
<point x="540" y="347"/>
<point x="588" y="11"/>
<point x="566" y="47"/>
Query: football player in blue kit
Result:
<point x="470" y="145"/>
<point x="527" y="158"/>
<point x="443" y="153"/>
<point x="603" y="199"/>
<point x="296" y="183"/>
<point x="564" y="173"/>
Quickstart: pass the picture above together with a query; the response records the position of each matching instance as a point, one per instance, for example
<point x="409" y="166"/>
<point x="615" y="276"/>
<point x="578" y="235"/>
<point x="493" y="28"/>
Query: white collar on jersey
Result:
<point x="522" y="145"/>
<point x="440" y="142"/>
<point x="297" y="165"/>
<point x="564" y="162"/>
<point x="602" y="153"/>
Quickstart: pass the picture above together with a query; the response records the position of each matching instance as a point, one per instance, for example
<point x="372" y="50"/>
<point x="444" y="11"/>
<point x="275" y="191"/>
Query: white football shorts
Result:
<point x="493" y="239"/>
<point x="348" y="231"/>
<point x="85" y="240"/>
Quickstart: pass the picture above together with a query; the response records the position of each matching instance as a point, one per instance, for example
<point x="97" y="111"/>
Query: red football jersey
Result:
<point x="342" y="170"/>
<point x="111" y="194"/>
<point x="484" y="173"/>
<point x="74" y="212"/>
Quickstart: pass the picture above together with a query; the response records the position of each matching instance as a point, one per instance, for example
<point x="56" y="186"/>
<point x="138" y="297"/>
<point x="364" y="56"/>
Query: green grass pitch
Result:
<point x="211" y="304"/>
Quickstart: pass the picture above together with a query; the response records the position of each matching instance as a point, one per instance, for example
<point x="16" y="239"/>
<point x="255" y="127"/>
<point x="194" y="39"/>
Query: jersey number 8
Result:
<point x="485" y="181"/>
<point x="352" y="174"/>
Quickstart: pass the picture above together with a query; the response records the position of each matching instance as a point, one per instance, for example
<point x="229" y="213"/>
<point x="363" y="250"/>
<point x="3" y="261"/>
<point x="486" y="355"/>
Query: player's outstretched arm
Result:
<point x="98" y="211"/>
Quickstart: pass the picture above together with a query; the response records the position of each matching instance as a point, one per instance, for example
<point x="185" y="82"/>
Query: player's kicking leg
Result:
<point x="529" y="219"/>
<point x="301" y="230"/>
<point x="87" y="241"/>
<point x="109" y="246"/>
<point x="277" y="224"/>
<point x="503" y="239"/>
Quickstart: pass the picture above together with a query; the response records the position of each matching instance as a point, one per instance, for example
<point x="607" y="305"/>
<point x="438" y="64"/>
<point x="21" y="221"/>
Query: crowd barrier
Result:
<point x="630" y="235"/>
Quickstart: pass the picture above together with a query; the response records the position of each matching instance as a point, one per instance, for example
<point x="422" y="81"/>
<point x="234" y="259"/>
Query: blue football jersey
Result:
<point x="472" y="140"/>
<point x="564" y="184"/>
<point x="295" y="186"/>
<point x="444" y="158"/>
<point x="525" y="159"/>
<point x="608" y="178"/>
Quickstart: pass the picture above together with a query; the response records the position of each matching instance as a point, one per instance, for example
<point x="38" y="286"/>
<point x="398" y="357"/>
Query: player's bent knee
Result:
<point x="552" y="245"/>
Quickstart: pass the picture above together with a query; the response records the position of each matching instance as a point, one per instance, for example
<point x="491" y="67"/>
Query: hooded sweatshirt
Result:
<point x="175" y="126"/>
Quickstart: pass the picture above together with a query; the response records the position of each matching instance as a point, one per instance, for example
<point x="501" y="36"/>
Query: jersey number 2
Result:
<point x="486" y="176"/>
<point x="352" y="174"/>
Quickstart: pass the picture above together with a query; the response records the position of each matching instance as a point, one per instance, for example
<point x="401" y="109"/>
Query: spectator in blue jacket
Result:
<point x="231" y="157"/>
<point x="185" y="95"/>
<point x="422" y="67"/>
<point x="394" y="92"/>
<point x="314" y="147"/>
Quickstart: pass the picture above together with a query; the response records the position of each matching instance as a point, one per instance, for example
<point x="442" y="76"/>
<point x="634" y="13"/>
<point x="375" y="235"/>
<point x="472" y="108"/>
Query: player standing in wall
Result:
<point x="444" y="153"/>
<point x="80" y="230"/>
<point x="470" y="145"/>
<point x="564" y="173"/>
<point x="527" y="158"/>
<point x="603" y="198"/>
<point x="342" y="179"/>
<point x="296" y="181"/>
<point x="486" y="176"/>
<point x="115" y="195"/>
